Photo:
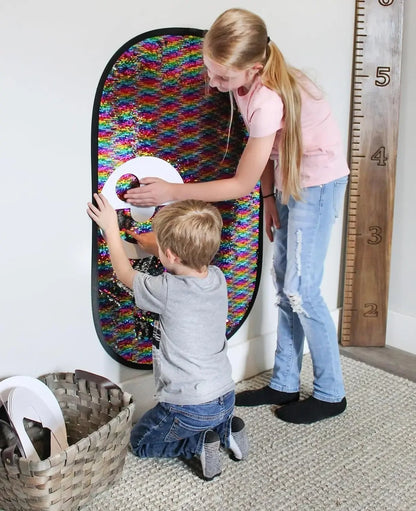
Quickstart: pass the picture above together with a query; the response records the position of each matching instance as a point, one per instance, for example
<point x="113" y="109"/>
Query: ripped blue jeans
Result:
<point x="300" y="247"/>
<point x="171" y="431"/>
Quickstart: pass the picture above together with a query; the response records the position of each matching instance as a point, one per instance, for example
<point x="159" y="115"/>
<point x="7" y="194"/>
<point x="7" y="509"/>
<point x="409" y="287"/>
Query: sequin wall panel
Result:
<point x="153" y="100"/>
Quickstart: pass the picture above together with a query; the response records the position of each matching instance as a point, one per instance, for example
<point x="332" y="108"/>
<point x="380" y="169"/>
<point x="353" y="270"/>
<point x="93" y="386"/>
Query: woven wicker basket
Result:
<point x="98" y="417"/>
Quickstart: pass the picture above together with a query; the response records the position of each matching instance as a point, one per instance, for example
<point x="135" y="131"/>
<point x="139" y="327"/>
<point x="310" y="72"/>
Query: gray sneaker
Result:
<point x="238" y="440"/>
<point x="210" y="456"/>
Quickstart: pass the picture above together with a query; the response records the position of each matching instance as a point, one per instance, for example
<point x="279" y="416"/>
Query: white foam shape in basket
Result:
<point x="142" y="166"/>
<point x="29" y="398"/>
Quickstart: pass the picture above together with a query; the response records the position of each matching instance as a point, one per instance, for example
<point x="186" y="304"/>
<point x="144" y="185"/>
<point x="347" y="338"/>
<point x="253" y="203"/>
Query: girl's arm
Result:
<point x="250" y="167"/>
<point x="267" y="180"/>
<point x="271" y="216"/>
<point x="106" y="218"/>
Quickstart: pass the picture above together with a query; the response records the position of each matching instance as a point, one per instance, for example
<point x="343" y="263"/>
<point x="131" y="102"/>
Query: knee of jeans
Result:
<point x="296" y="302"/>
<point x="283" y="296"/>
<point x="279" y="299"/>
<point x="137" y="446"/>
<point x="139" y="451"/>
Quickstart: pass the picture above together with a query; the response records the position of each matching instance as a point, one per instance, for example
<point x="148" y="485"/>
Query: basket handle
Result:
<point x="99" y="380"/>
<point x="7" y="455"/>
<point x="14" y="444"/>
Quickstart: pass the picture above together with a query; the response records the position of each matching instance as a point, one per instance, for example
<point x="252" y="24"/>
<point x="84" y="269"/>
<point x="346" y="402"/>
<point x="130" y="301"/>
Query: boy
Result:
<point x="194" y="386"/>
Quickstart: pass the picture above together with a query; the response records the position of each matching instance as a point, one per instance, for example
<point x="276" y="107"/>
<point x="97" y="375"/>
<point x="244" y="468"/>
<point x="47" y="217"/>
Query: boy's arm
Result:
<point x="106" y="218"/>
<point x="146" y="241"/>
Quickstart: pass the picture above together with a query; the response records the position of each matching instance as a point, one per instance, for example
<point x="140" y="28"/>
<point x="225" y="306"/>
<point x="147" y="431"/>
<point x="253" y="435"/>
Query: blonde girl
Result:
<point x="295" y="149"/>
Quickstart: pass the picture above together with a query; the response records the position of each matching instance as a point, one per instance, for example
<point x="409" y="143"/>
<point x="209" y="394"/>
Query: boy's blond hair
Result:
<point x="191" y="229"/>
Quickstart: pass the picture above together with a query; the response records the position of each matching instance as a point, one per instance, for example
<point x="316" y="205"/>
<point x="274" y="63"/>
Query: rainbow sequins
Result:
<point x="153" y="101"/>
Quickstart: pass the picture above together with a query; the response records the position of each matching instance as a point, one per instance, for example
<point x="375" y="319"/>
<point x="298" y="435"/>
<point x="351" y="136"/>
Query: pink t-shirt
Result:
<point x="323" y="157"/>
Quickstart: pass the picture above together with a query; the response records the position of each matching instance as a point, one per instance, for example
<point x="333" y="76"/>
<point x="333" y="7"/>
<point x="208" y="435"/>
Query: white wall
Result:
<point x="52" y="56"/>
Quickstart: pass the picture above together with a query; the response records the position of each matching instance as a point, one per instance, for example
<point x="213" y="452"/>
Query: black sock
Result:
<point x="265" y="396"/>
<point x="310" y="410"/>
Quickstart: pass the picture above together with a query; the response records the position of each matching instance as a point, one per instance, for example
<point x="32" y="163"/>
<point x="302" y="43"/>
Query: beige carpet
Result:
<point x="362" y="460"/>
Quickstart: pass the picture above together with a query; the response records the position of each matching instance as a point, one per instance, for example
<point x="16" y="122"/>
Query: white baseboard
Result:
<point x="401" y="332"/>
<point x="252" y="357"/>
<point x="142" y="388"/>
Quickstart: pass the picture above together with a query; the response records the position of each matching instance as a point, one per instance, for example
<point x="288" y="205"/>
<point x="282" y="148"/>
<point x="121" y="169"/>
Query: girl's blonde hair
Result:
<point x="191" y="229"/>
<point x="238" y="39"/>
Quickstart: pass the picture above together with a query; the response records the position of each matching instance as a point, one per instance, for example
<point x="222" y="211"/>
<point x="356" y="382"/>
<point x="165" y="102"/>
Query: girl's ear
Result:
<point x="257" y="68"/>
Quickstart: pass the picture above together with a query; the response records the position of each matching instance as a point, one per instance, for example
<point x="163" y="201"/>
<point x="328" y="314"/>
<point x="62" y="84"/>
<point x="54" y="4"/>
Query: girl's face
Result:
<point x="227" y="79"/>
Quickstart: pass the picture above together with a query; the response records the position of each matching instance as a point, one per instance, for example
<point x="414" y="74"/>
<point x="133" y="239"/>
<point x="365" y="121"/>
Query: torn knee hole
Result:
<point x="279" y="299"/>
<point x="295" y="301"/>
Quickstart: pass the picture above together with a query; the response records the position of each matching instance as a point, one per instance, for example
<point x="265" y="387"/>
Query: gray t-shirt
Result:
<point x="190" y="362"/>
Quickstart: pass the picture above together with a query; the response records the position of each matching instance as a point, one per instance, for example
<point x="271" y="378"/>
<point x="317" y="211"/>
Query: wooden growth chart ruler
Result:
<point x="373" y="151"/>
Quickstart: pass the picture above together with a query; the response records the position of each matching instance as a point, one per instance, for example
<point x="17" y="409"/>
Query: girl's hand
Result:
<point x="155" y="192"/>
<point x="146" y="241"/>
<point x="271" y="216"/>
<point x="103" y="214"/>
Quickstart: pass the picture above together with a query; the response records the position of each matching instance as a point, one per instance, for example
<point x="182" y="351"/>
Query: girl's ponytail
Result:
<point x="278" y="76"/>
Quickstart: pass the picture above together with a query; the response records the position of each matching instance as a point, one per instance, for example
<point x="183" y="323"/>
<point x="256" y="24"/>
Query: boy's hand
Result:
<point x="103" y="214"/>
<point x="146" y="241"/>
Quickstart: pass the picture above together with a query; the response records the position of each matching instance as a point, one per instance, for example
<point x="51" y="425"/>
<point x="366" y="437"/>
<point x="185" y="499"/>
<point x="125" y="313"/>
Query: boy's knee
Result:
<point x="139" y="450"/>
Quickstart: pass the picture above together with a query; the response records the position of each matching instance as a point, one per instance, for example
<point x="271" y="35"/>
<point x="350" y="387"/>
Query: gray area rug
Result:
<point x="364" y="459"/>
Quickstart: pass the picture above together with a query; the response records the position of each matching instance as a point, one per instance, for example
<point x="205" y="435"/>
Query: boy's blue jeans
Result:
<point x="170" y="431"/>
<point x="300" y="247"/>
